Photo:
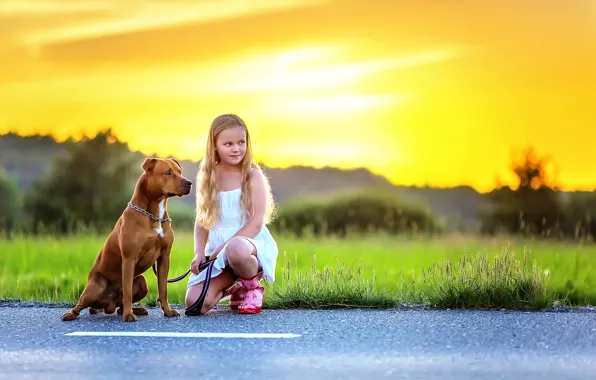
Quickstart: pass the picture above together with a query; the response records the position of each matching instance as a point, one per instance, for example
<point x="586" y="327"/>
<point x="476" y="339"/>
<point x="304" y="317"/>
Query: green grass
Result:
<point x="356" y="272"/>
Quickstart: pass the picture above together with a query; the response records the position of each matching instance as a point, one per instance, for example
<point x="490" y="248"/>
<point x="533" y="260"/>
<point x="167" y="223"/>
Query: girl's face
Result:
<point x="231" y="145"/>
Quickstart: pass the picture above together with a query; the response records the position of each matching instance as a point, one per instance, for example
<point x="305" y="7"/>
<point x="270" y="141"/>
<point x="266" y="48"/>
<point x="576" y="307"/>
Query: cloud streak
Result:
<point x="126" y="17"/>
<point x="340" y="103"/>
<point x="303" y="70"/>
<point x="23" y="8"/>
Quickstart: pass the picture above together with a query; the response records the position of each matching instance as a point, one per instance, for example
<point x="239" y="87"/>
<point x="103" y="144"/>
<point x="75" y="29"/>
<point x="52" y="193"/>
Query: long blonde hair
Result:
<point x="208" y="209"/>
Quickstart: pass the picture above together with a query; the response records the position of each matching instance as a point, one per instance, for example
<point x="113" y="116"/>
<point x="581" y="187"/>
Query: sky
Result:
<point x="425" y="92"/>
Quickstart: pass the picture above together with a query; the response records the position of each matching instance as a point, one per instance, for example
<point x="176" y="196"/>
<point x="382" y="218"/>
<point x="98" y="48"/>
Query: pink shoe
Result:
<point x="253" y="299"/>
<point x="238" y="291"/>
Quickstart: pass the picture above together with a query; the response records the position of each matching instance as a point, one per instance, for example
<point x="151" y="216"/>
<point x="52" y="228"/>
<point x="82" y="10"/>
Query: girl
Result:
<point x="233" y="206"/>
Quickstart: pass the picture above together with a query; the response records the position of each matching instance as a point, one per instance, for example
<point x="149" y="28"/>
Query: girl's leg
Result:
<point x="241" y="255"/>
<point x="216" y="290"/>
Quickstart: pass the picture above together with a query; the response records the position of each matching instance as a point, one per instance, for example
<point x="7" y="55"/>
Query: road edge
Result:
<point x="403" y="307"/>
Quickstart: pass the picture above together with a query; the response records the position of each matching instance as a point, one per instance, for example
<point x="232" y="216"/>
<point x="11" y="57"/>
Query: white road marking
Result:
<point x="184" y="335"/>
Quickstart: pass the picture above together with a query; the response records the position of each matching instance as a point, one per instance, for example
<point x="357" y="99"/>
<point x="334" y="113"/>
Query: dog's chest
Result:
<point x="151" y="252"/>
<point x="159" y="228"/>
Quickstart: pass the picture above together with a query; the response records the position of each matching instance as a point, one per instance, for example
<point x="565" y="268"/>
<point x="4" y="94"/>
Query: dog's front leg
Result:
<point x="163" y="268"/>
<point x="128" y="268"/>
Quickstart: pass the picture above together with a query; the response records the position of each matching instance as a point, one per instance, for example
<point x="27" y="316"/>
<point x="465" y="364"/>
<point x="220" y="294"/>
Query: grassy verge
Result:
<point x="377" y="272"/>
<point x="472" y="281"/>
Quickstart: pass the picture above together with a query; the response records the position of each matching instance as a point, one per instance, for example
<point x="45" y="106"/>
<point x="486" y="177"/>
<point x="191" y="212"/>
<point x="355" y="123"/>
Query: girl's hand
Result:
<point x="194" y="265"/>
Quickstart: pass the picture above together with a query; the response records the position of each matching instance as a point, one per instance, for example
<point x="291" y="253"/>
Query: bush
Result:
<point x="361" y="211"/>
<point x="478" y="282"/>
<point x="330" y="288"/>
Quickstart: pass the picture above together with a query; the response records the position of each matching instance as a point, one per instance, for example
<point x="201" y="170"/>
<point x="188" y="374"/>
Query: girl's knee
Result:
<point x="192" y="294"/>
<point x="208" y="304"/>
<point x="238" y="249"/>
<point x="190" y="300"/>
<point x="212" y="297"/>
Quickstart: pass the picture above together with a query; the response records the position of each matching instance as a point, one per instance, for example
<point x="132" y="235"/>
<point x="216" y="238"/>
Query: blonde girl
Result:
<point x="234" y="204"/>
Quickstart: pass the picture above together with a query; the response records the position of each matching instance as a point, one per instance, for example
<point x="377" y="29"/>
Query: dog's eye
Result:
<point x="169" y="172"/>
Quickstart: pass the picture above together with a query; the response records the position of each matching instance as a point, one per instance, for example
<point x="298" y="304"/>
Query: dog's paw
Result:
<point x="140" y="311"/>
<point x="69" y="316"/>
<point x="170" y="313"/>
<point x="110" y="309"/>
<point x="129" y="317"/>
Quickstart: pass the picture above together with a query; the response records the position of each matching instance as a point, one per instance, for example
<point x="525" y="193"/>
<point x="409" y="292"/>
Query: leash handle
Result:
<point x="195" y="308"/>
<point x="176" y="279"/>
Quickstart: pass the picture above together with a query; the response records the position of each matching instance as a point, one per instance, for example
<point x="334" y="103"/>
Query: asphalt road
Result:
<point x="352" y="344"/>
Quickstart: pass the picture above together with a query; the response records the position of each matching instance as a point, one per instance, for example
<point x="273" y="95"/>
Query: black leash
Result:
<point x="176" y="279"/>
<point x="195" y="308"/>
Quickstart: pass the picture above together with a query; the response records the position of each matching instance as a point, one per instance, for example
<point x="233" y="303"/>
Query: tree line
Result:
<point x="537" y="207"/>
<point x="86" y="191"/>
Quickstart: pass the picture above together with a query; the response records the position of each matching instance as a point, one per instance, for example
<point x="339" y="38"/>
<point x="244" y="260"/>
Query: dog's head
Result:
<point x="164" y="177"/>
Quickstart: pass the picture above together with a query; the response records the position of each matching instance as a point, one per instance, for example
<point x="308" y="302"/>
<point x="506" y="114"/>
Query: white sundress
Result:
<point x="230" y="222"/>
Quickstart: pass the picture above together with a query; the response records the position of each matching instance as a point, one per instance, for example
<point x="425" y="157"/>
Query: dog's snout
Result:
<point x="188" y="183"/>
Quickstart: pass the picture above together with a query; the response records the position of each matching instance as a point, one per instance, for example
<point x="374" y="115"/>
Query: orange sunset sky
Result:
<point x="426" y="91"/>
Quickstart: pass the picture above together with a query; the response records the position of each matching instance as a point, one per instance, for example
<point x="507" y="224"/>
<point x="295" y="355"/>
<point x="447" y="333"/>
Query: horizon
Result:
<point x="399" y="89"/>
<point x="298" y="165"/>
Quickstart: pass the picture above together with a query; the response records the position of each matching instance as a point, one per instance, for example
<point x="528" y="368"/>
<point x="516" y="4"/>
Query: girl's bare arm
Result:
<point x="200" y="240"/>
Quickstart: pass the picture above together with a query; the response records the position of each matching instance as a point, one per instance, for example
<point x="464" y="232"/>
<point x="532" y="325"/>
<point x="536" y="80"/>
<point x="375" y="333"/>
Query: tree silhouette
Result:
<point x="533" y="207"/>
<point x="530" y="170"/>
<point x="90" y="186"/>
<point x="10" y="202"/>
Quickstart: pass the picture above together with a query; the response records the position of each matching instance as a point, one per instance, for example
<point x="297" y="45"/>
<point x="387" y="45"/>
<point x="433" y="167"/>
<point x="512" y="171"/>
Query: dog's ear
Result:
<point x="149" y="164"/>
<point x="176" y="162"/>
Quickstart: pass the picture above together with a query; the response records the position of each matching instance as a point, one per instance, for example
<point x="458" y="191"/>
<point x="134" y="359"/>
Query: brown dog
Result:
<point x="142" y="235"/>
